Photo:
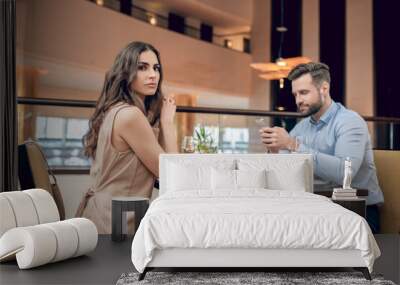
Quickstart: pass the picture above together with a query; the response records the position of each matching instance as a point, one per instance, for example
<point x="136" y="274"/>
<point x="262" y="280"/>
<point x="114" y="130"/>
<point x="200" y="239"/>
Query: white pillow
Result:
<point x="227" y="179"/>
<point x="183" y="177"/>
<point x="291" y="179"/>
<point x="282" y="173"/>
<point x="251" y="178"/>
<point x="223" y="179"/>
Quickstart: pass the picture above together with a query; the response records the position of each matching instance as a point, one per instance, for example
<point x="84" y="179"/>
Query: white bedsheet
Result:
<point x="250" y="219"/>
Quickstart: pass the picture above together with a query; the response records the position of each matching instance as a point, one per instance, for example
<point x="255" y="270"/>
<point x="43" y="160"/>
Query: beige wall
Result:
<point x="359" y="50"/>
<point x="46" y="31"/>
<point x="236" y="40"/>
<point x="261" y="52"/>
<point x="72" y="188"/>
<point x="310" y="29"/>
<point x="359" y="57"/>
<point x="79" y="32"/>
<point x="241" y="9"/>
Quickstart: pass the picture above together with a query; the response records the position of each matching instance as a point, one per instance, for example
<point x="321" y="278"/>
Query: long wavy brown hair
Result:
<point x="116" y="89"/>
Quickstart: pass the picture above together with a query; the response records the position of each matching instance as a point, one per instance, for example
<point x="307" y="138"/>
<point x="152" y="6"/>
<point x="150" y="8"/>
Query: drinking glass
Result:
<point x="261" y="122"/>
<point x="188" y="145"/>
<point x="305" y="141"/>
<point x="296" y="146"/>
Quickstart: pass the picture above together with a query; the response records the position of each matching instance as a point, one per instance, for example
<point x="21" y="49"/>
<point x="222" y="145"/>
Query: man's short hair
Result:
<point x="318" y="71"/>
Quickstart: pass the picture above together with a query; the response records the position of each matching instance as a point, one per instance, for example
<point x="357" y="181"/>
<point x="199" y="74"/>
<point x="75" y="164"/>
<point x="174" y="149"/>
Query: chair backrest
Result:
<point x="388" y="170"/>
<point x="34" y="172"/>
<point x="26" y="208"/>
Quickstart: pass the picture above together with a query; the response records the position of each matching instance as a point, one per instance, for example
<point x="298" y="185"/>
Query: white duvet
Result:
<point x="250" y="219"/>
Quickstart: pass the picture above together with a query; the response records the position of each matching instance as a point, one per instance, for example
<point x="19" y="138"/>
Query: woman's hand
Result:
<point x="168" y="131"/>
<point x="168" y="110"/>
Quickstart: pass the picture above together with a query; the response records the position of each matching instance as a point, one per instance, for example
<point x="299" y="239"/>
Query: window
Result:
<point x="229" y="140"/>
<point x="61" y="139"/>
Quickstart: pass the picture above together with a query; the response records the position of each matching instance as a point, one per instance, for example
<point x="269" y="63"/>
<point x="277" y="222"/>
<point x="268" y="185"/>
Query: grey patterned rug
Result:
<point x="230" y="278"/>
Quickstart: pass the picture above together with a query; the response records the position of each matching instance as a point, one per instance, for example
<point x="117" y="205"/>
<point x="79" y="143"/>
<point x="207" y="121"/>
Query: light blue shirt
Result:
<point x="340" y="133"/>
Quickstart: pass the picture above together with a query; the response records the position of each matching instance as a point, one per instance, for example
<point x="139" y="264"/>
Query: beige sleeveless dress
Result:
<point x="114" y="173"/>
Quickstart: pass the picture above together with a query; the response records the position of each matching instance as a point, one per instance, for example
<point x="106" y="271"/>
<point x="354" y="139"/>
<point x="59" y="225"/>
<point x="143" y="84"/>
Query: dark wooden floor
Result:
<point x="102" y="266"/>
<point x="110" y="260"/>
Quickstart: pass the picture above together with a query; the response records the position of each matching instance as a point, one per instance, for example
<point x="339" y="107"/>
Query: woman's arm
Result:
<point x="167" y="128"/>
<point x="168" y="138"/>
<point x="133" y="127"/>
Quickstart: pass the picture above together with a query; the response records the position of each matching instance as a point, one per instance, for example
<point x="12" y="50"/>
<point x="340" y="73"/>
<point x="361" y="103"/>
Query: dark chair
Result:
<point x="34" y="172"/>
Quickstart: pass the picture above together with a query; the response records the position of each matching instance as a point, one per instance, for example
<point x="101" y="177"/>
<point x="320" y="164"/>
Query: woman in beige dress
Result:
<point x="131" y="126"/>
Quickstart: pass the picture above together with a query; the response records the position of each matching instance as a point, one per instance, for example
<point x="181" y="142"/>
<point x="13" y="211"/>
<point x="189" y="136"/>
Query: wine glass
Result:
<point x="261" y="122"/>
<point x="188" y="144"/>
<point x="302" y="140"/>
<point x="295" y="146"/>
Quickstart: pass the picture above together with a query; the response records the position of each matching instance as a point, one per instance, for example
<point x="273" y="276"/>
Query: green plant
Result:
<point x="204" y="141"/>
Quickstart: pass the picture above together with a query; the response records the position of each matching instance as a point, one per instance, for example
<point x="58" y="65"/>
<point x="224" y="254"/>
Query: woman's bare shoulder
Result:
<point x="129" y="115"/>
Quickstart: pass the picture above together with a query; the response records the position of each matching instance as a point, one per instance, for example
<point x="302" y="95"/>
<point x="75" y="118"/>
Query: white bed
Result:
<point x="225" y="217"/>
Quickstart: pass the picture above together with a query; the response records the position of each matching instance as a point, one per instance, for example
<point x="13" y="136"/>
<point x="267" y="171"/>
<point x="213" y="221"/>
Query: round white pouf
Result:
<point x="45" y="206"/>
<point x="23" y="208"/>
<point x="45" y="243"/>
<point x="6" y="215"/>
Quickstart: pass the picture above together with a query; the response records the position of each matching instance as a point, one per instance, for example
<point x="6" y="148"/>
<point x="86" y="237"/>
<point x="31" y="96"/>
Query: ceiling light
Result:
<point x="228" y="43"/>
<point x="281" y="62"/>
<point x="152" y="19"/>
<point x="279" y="69"/>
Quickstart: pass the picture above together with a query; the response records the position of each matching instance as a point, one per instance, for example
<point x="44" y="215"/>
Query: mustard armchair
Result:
<point x="388" y="170"/>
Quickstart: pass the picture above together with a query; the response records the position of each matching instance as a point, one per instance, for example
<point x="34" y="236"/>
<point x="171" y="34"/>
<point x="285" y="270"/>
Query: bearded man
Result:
<point x="330" y="132"/>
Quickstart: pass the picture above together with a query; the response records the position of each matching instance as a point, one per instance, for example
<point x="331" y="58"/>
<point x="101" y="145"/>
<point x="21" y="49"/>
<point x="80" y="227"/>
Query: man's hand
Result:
<point x="275" y="139"/>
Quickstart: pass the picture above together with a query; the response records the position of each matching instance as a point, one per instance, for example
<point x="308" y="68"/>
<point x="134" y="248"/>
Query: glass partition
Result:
<point x="60" y="130"/>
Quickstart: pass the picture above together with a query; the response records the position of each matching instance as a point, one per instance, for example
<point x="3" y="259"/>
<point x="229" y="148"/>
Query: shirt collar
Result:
<point x="327" y="116"/>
